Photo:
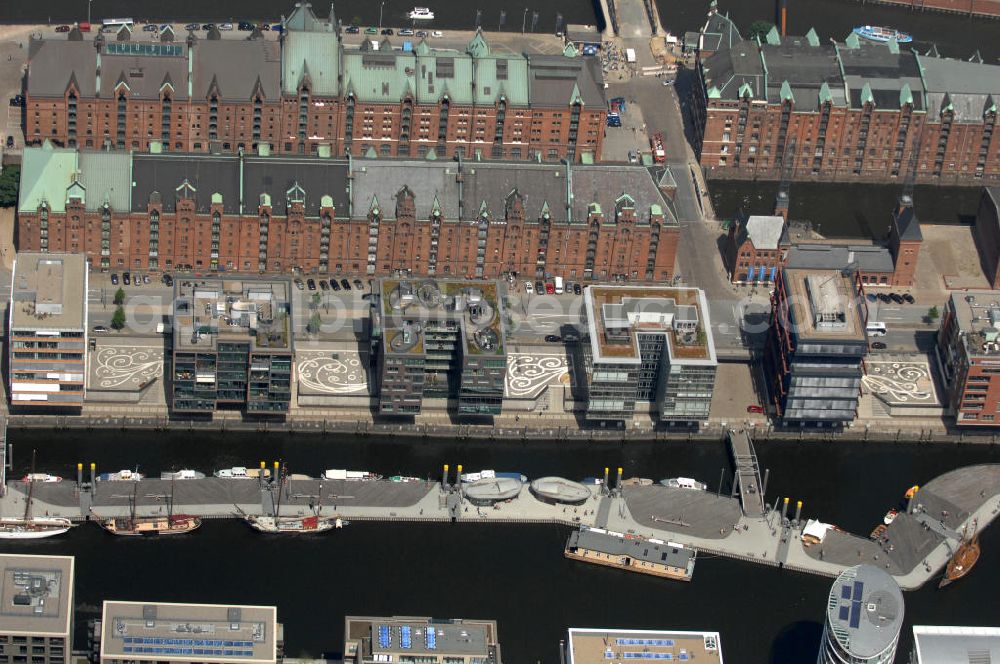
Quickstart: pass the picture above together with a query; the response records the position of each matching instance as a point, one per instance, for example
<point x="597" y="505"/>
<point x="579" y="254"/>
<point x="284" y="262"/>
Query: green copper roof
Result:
<point x="46" y="172"/>
<point x="655" y="209"/>
<point x="216" y="198"/>
<point x="905" y="95"/>
<point x="714" y="93"/>
<point x="825" y="95"/>
<point x="773" y="37"/>
<point x="746" y="90"/>
<point x="786" y="92"/>
<point x="570" y="50"/>
<point x="852" y="41"/>
<point x="478" y="47"/>
<point x="893" y="45"/>
<point x="812" y="37"/>
<point x="497" y="75"/>
<point x="866" y="94"/>
<point x="432" y="155"/>
<point x="326" y="201"/>
<point x="422" y="48"/>
<point x="312" y="54"/>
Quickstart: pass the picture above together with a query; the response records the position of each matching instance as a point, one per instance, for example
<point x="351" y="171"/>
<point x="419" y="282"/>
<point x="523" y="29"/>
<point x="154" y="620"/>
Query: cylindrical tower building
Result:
<point x="864" y="613"/>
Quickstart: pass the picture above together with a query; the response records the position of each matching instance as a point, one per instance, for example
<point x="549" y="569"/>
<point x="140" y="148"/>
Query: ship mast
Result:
<point x="31" y="490"/>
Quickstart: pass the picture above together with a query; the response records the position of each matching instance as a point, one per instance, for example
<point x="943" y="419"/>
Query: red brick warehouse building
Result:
<point x="359" y="216"/>
<point x="851" y="110"/>
<point x="309" y="94"/>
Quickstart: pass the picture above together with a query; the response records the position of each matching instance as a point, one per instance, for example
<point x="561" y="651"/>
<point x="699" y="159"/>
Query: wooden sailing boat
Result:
<point x="964" y="559"/>
<point x="293" y="525"/>
<point x="29" y="527"/>
<point x="132" y="525"/>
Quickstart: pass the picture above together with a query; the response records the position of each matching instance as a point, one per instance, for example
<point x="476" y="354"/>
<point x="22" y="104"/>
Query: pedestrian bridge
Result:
<point x="748" y="480"/>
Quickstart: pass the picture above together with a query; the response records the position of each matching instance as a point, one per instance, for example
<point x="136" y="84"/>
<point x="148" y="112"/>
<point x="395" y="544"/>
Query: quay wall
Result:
<point x="979" y="8"/>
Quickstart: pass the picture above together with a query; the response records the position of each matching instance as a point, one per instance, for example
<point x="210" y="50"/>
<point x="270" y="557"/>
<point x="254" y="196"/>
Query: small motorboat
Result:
<point x="684" y="483"/>
<point x="121" y="476"/>
<point x="350" y="475"/>
<point x="242" y="473"/>
<point x="185" y="474"/>
<point x="420" y="14"/>
<point x="889" y="517"/>
<point x="41" y="477"/>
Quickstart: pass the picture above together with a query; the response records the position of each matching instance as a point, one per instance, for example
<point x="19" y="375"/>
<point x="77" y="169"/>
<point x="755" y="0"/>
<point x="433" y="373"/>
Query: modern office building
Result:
<point x="131" y="632"/>
<point x="955" y="645"/>
<point x="863" y="617"/>
<point x="968" y="354"/>
<point x="425" y="640"/>
<point x="232" y="346"/>
<point x="308" y="93"/>
<point x="36" y="623"/>
<point x="436" y="339"/>
<point x="48" y="330"/>
<point x="987" y="234"/>
<point x="843" y="110"/>
<point x="445" y="218"/>
<point x="814" y="356"/>
<point x="649" y="348"/>
<point x="599" y="646"/>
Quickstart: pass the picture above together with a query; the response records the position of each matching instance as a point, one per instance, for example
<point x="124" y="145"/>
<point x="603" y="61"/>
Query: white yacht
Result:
<point x="420" y="14"/>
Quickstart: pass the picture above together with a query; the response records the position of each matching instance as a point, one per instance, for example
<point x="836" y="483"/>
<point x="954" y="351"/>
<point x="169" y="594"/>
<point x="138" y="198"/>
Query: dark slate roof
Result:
<point x="604" y="184"/>
<point x="236" y="65"/>
<point x="868" y="258"/>
<point x="719" y="32"/>
<point x="885" y="73"/>
<point x="276" y="176"/>
<point x="52" y="63"/>
<point x="805" y="68"/>
<point x="552" y="79"/>
<point x="144" y="76"/>
<point x="164" y="173"/>
<point x="729" y="69"/>
<point x="908" y="225"/>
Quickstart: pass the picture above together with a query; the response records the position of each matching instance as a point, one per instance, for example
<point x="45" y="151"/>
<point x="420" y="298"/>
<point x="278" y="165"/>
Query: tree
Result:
<point x="760" y="29"/>
<point x="9" y="180"/>
<point x="118" y="320"/>
<point x="120" y="296"/>
<point x="933" y="314"/>
<point x="312" y="327"/>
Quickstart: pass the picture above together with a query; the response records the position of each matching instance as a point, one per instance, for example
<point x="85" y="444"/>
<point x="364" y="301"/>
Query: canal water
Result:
<point x="846" y="210"/>
<point x="513" y="573"/>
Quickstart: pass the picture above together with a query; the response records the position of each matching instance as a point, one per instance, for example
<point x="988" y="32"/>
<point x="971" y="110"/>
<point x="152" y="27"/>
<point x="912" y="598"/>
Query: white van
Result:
<point x="559" y="285"/>
<point x="875" y="328"/>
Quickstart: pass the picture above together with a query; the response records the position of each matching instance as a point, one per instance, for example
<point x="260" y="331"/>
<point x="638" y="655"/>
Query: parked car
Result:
<point x="553" y="338"/>
<point x="909" y="299"/>
<point x="126" y="278"/>
<point x="63" y="28"/>
<point x="884" y="297"/>
<point x="550" y="289"/>
<point x="572" y="336"/>
<point x="387" y="31"/>
<point x="114" y="278"/>
<point x="633" y="157"/>
<point x="539" y="287"/>
<point x="10" y="141"/>
<point x="145" y="279"/>
<point x="99" y="329"/>
<point x="264" y="27"/>
<point x="872" y="297"/>
<point x="226" y="27"/>
<point x="137" y="279"/>
<point x="577" y="289"/>
<point x="345" y="284"/>
<point x="193" y="27"/>
<point x="352" y="29"/>
<point x="437" y="33"/>
<point x="323" y="285"/>
<point x="245" y="26"/>
<point x="406" y="32"/>
<point x="277" y="28"/>
<point x="167" y="280"/>
<point x="371" y="31"/>
<point x="529" y="288"/>
<point x="17" y="100"/>
<point x="334" y="285"/>
<point x="358" y="284"/>
<point x="421" y="33"/>
<point x="879" y="345"/>
<point x="84" y="26"/>
<point x="299" y="284"/>
<point x="754" y="408"/>
<point x="896" y="297"/>
<point x="207" y="26"/>
<point x="150" y="27"/>
<point x="311" y="284"/>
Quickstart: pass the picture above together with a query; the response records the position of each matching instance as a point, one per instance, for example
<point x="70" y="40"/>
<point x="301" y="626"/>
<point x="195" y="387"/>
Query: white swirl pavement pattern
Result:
<point x="118" y="366"/>
<point x="328" y="375"/>
<point x="527" y="374"/>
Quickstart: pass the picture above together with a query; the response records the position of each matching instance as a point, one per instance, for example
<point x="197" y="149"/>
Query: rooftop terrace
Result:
<point x="617" y="314"/>
<point x="600" y="646"/>
<point x="415" y="636"/>
<point x="409" y="307"/>
<point x="824" y="304"/>
<point x="209" y="311"/>
<point x="977" y="314"/>
<point x="49" y="291"/>
<point x="200" y="632"/>
<point x="36" y="593"/>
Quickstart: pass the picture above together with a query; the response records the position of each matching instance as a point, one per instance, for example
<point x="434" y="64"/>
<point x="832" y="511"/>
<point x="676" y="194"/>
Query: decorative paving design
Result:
<point x="528" y="374"/>
<point x="125" y="367"/>
<point x="320" y="372"/>
<point x="901" y="382"/>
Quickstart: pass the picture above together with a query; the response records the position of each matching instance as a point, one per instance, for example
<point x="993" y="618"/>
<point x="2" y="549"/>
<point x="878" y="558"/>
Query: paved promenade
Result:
<point x="914" y="549"/>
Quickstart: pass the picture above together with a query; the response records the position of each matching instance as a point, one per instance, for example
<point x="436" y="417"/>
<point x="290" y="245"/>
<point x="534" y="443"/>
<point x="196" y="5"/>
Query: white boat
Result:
<point x="121" y="476"/>
<point x="350" y="475"/>
<point x="241" y="473"/>
<point x="294" y="524"/>
<point x="33" y="528"/>
<point x="185" y="474"/>
<point x="481" y="475"/>
<point x="420" y="14"/>
<point x="890" y="516"/>
<point x="41" y="477"/>
<point x="684" y="483"/>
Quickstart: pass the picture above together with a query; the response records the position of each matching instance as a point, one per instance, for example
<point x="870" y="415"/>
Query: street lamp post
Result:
<point x="380" y="6"/>
<point x="88" y="10"/>
<point x="524" y="20"/>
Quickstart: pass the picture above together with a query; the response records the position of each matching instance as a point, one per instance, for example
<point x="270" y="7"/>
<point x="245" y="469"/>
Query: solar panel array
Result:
<point x="385" y="634"/>
<point x="406" y="636"/>
<point x="139" y="48"/>
<point x="850" y="611"/>
<point x="168" y="646"/>
<point x="430" y="638"/>
<point x="664" y="643"/>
